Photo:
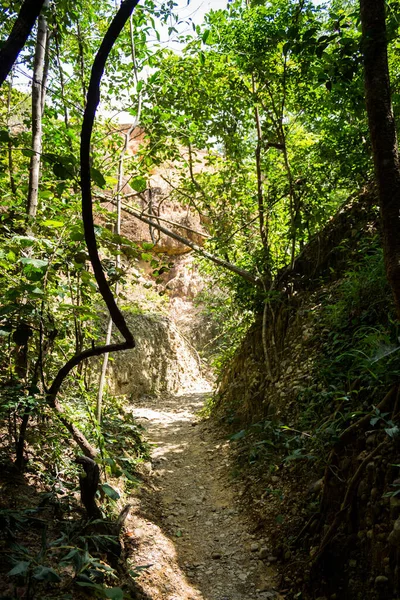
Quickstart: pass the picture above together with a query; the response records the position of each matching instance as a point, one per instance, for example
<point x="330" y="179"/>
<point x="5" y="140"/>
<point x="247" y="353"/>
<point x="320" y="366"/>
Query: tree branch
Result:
<point x="22" y="27"/>
<point x="218" y="261"/>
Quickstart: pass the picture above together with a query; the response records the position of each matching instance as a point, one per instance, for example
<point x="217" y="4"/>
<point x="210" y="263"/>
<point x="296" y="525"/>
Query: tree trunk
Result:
<point x="9" y="143"/>
<point x="88" y="484"/>
<point x="37" y="111"/>
<point x="383" y="134"/>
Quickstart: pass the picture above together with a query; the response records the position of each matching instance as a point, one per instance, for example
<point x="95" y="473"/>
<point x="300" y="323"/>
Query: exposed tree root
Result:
<point x="346" y="503"/>
<point x="349" y="434"/>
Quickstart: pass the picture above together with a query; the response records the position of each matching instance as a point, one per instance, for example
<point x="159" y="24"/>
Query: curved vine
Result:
<point x="93" y="98"/>
<point x="30" y="10"/>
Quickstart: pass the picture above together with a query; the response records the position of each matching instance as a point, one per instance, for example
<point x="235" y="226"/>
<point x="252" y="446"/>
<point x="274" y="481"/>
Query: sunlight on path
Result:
<point x="189" y="525"/>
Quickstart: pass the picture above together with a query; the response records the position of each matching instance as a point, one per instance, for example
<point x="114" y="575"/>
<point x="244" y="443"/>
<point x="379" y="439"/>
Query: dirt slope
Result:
<point x="189" y="525"/>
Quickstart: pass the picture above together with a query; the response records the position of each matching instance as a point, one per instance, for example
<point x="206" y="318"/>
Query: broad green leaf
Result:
<point x="4" y="136"/>
<point x="139" y="184"/>
<point x="147" y="257"/>
<point x="98" y="177"/>
<point x="36" y="263"/>
<point x="25" y="240"/>
<point x="42" y="573"/>
<point x="20" y="568"/>
<point x="93" y="586"/>
<point x="206" y="36"/>
<point x="110" y="491"/>
<point x="77" y="235"/>
<point x="147" y="246"/>
<point x="114" y="593"/>
<point x="51" y="223"/>
<point x="62" y="172"/>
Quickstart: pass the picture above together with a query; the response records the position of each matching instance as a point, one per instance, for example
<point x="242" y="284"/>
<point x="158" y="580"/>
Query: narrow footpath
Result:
<point x="188" y="523"/>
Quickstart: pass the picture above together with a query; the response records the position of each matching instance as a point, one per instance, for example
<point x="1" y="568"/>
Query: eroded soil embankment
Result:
<point x="189" y="524"/>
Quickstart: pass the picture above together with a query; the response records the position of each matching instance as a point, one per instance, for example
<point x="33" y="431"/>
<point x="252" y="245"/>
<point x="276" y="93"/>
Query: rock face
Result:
<point x="158" y="202"/>
<point x="169" y="334"/>
<point x="163" y="361"/>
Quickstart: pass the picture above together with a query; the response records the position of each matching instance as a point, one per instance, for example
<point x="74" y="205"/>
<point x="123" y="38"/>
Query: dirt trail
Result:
<point x="189" y="526"/>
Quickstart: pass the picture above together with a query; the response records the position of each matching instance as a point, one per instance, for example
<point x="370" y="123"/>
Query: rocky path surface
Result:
<point x="189" y="525"/>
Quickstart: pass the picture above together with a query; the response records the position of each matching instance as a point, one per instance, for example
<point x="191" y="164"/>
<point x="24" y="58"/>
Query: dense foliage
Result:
<point x="260" y="117"/>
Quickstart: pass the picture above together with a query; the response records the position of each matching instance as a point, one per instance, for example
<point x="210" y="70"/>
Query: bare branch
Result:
<point x="215" y="259"/>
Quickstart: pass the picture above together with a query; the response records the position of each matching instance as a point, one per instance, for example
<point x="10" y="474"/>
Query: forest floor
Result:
<point x="188" y="521"/>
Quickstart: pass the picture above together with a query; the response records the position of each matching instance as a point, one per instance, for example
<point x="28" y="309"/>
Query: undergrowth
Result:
<point x="358" y="360"/>
<point x="50" y="549"/>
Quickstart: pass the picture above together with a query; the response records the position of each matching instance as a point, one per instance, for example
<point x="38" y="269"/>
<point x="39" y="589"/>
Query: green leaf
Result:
<point x="93" y="586"/>
<point x="147" y="246"/>
<point x="25" y="240"/>
<point x="392" y="431"/>
<point x="36" y="291"/>
<point x="98" y="177"/>
<point x="4" y="136"/>
<point x="20" y="568"/>
<point x="46" y="194"/>
<point x="238" y="436"/>
<point x="77" y="235"/>
<point x="139" y="184"/>
<point x="114" y="593"/>
<point x="36" y="263"/>
<point x="51" y="223"/>
<point x="145" y="256"/>
<point x="61" y="172"/>
<point x="110" y="491"/>
<point x="205" y="36"/>
<point x="136" y="571"/>
<point x="42" y="573"/>
<point x="130" y="477"/>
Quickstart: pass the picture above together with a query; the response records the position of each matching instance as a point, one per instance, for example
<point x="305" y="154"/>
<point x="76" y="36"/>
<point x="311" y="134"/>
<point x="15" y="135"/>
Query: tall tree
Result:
<point x="383" y="134"/>
<point x="38" y="98"/>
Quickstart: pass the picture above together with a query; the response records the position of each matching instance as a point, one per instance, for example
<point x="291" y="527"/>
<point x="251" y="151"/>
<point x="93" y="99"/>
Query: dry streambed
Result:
<point x="189" y="526"/>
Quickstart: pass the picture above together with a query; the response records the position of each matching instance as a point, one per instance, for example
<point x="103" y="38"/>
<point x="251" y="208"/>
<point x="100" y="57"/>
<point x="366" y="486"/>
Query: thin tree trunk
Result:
<point x="62" y="88"/>
<point x="81" y="62"/>
<point x="263" y="219"/>
<point x="46" y="68"/>
<point x="22" y="27"/>
<point x="9" y="144"/>
<point x="37" y="110"/>
<point x="103" y="374"/>
<point x="383" y="134"/>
